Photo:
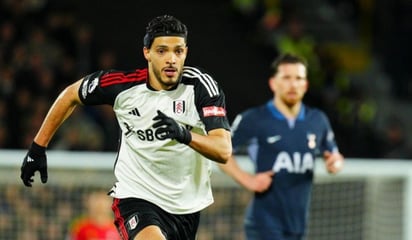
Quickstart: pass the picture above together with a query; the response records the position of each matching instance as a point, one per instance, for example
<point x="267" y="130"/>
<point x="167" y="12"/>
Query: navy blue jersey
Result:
<point x="289" y="148"/>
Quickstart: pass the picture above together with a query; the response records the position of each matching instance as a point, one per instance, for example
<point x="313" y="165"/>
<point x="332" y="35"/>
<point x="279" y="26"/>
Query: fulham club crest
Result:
<point x="179" y="107"/>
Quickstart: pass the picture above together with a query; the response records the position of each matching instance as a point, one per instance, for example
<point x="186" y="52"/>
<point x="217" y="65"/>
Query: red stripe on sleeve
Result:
<point x="119" y="77"/>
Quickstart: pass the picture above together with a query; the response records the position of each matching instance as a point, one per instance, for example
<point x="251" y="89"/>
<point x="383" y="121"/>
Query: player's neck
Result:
<point x="289" y="111"/>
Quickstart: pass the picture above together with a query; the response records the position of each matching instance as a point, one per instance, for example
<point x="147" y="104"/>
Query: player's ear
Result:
<point x="146" y="53"/>
<point x="271" y="83"/>
<point x="307" y="85"/>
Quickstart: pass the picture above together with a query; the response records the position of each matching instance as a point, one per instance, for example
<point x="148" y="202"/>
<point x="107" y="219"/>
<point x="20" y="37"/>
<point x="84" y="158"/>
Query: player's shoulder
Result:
<point x="120" y="77"/>
<point x="110" y="77"/>
<point x="111" y="82"/>
<point x="315" y="112"/>
<point x="194" y="71"/>
<point x="254" y="113"/>
<point x="195" y="74"/>
<point x="202" y="81"/>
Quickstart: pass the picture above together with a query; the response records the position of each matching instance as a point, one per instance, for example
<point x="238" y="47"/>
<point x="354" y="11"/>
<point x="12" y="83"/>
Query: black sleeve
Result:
<point x="94" y="92"/>
<point x="211" y="104"/>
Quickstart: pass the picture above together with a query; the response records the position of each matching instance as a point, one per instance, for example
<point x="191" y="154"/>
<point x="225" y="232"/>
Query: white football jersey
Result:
<point x="162" y="171"/>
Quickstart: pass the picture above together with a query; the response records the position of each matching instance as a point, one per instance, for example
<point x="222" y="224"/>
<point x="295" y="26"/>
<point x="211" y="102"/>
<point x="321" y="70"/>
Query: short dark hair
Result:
<point x="164" y="25"/>
<point x="287" y="58"/>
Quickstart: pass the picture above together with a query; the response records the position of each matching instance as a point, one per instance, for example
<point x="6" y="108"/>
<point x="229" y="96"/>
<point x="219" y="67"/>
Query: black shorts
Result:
<point x="133" y="214"/>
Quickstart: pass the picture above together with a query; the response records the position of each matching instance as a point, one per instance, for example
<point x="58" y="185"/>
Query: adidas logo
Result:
<point x="135" y="112"/>
<point x="29" y="159"/>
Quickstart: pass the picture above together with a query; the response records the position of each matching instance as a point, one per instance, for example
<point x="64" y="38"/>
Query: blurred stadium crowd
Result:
<point x="43" y="48"/>
<point x="356" y="51"/>
<point x="50" y="212"/>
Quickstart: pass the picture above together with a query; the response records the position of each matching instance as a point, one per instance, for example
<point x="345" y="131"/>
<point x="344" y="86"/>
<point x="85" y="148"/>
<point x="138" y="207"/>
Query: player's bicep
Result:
<point x="73" y="91"/>
<point x="221" y="133"/>
<point x="213" y="113"/>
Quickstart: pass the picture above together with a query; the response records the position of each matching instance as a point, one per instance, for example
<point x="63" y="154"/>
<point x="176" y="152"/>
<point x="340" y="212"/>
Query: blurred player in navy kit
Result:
<point x="283" y="138"/>
<point x="173" y="122"/>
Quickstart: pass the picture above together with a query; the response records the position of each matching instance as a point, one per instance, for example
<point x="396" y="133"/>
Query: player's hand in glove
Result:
<point x="35" y="160"/>
<point x="169" y="128"/>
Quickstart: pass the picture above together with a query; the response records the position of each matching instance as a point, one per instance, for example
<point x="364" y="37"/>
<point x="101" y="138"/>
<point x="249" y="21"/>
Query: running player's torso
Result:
<point x="162" y="171"/>
<point x="289" y="148"/>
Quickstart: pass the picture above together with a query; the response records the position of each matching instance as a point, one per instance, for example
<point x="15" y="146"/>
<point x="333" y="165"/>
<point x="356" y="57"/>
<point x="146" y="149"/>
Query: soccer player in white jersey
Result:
<point x="283" y="136"/>
<point x="173" y="122"/>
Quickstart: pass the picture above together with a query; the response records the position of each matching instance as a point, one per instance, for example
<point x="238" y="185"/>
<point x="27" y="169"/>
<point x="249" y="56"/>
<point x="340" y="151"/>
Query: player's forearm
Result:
<point x="232" y="169"/>
<point x="217" y="146"/>
<point x="61" y="109"/>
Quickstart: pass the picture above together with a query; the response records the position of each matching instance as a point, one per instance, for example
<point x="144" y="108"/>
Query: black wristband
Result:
<point x="37" y="150"/>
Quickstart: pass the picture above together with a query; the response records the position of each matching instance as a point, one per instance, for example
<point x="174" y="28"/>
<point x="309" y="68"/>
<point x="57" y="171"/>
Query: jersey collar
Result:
<point x="275" y="112"/>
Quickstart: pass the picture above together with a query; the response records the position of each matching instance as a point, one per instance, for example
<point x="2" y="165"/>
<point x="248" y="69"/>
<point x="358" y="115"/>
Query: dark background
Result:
<point x="216" y="42"/>
<point x="359" y="69"/>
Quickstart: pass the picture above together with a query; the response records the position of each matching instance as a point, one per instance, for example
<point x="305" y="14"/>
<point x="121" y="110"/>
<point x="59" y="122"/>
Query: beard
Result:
<point x="167" y="82"/>
<point x="290" y="102"/>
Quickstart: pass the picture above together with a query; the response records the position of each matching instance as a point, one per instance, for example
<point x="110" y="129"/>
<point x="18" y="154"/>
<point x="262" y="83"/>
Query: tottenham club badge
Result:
<point x="311" y="140"/>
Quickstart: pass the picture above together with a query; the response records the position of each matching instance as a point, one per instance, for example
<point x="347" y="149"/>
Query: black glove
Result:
<point x="169" y="128"/>
<point x="35" y="160"/>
